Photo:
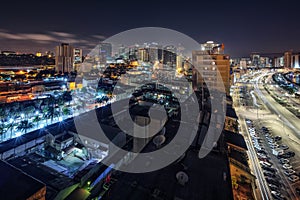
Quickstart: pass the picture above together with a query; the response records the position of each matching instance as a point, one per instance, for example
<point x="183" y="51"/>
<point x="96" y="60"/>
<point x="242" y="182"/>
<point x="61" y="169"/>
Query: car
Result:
<point x="273" y="181"/>
<point x="268" y="164"/>
<point x="274" y="146"/>
<point x="284" y="161"/>
<point x="248" y="121"/>
<point x="262" y="151"/>
<point x="286" y="155"/>
<point x="284" y="147"/>
<point x="277" y="138"/>
<point x="269" y="174"/>
<point x="273" y="187"/>
<point x="270" y="169"/>
<point x="290" y="153"/>
<point x="275" y="193"/>
<point x="262" y="155"/>
<point x="293" y="178"/>
<point x="289" y="172"/>
<point x="287" y="166"/>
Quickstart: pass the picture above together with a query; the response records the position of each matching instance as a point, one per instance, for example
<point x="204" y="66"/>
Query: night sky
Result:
<point x="243" y="26"/>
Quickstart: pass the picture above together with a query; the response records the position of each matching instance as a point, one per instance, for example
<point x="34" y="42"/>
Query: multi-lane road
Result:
<point x="281" y="122"/>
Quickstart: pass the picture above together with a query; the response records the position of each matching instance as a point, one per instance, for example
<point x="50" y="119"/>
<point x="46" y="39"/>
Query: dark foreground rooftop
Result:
<point x="15" y="184"/>
<point x="209" y="179"/>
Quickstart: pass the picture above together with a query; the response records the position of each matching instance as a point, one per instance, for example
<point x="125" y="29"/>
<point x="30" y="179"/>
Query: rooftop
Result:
<point x="203" y="174"/>
<point x="235" y="139"/>
<point x="13" y="180"/>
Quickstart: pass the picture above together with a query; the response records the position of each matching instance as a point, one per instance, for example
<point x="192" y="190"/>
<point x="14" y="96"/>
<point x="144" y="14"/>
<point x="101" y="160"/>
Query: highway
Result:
<point x="286" y="116"/>
<point x="281" y="122"/>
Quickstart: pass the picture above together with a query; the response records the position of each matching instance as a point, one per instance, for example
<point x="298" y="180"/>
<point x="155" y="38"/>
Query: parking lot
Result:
<point x="278" y="159"/>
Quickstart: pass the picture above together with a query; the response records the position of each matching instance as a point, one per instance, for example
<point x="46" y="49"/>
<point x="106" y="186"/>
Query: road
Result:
<point x="281" y="122"/>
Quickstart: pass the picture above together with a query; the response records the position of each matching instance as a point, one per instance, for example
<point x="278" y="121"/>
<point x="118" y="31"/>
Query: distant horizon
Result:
<point x="43" y="50"/>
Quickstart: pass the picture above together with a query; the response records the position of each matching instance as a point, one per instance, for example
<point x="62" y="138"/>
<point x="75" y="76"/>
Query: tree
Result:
<point x="67" y="96"/>
<point x="51" y="113"/>
<point x="24" y="126"/>
<point x="66" y="111"/>
<point x="3" y="130"/>
<point x="29" y="111"/>
<point x="36" y="120"/>
<point x="11" y="126"/>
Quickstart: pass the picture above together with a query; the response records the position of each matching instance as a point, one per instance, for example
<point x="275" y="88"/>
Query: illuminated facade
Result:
<point x="208" y="62"/>
<point x="64" y="58"/>
<point x="295" y="61"/>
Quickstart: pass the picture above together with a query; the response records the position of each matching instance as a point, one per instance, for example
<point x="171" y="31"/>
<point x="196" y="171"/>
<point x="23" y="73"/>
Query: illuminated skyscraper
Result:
<point x="105" y="51"/>
<point x="208" y="61"/>
<point x="64" y="58"/>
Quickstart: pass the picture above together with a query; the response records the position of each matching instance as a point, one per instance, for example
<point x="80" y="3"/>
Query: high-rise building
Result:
<point x="122" y="50"/>
<point x="153" y="52"/>
<point x="169" y="55"/>
<point x="105" y="50"/>
<point x="77" y="58"/>
<point x="295" y="60"/>
<point x="64" y="58"/>
<point x="287" y="59"/>
<point x="143" y="54"/>
<point x="208" y="62"/>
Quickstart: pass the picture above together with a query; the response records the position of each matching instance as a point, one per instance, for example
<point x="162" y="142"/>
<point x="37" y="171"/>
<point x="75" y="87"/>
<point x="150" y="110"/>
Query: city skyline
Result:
<point x="155" y="100"/>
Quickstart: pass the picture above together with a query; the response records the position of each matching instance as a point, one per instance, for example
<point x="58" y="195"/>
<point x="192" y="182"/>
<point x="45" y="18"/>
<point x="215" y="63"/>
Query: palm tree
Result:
<point x="66" y="111"/>
<point x="67" y="96"/>
<point x="3" y="130"/>
<point x="11" y="126"/>
<point x="24" y="126"/>
<point x="51" y="113"/>
<point x="36" y="120"/>
<point x="29" y="111"/>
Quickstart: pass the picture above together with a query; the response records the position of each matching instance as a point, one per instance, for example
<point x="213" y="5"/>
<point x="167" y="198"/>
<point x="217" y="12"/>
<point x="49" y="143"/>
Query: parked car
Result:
<point x="262" y="151"/>
<point x="273" y="181"/>
<point x="286" y="155"/>
<point x="289" y="172"/>
<point x="274" y="146"/>
<point x="273" y="187"/>
<point x="293" y="178"/>
<point x="277" y="138"/>
<point x="264" y="163"/>
<point x="261" y="155"/>
<point x="290" y="153"/>
<point x="269" y="174"/>
<point x="284" y="161"/>
<point x="284" y="147"/>
<point x="287" y="166"/>
<point x="270" y="169"/>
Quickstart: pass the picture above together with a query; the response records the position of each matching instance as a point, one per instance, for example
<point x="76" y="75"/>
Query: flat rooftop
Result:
<point x="32" y="164"/>
<point x="209" y="179"/>
<point x="15" y="184"/>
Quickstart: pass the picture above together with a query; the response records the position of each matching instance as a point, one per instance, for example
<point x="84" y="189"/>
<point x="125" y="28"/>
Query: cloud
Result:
<point x="62" y="34"/>
<point x="48" y="39"/>
<point x="5" y="35"/>
<point x="34" y="36"/>
<point x="101" y="37"/>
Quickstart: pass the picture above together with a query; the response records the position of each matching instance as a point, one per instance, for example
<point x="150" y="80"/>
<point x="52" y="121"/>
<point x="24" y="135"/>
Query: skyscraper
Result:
<point x="105" y="50"/>
<point x="64" y="58"/>
<point x="208" y="61"/>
